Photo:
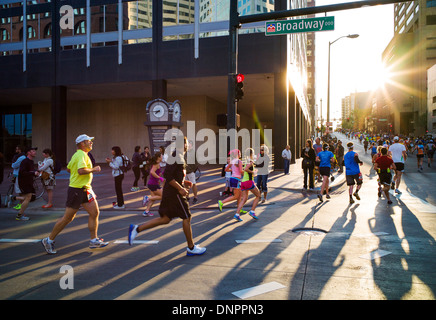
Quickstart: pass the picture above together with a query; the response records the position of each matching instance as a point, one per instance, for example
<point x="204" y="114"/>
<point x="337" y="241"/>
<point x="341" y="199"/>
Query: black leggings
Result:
<point x="119" y="189"/>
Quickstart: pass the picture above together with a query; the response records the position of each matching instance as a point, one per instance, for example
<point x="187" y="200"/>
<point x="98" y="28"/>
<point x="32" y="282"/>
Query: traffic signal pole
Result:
<point x="234" y="25"/>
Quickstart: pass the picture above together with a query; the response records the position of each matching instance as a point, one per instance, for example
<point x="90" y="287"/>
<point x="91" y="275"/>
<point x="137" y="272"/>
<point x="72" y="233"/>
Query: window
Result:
<point x="17" y="130"/>
<point x="431" y="3"/>
<point x="431" y="20"/>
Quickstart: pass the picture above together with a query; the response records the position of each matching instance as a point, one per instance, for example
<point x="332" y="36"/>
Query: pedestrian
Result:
<point x="383" y="165"/>
<point x="26" y="174"/>
<point x="352" y="172"/>
<point x="116" y="163"/>
<point x="136" y="162"/>
<point x="325" y="159"/>
<point x="164" y="160"/>
<point x="235" y="167"/>
<point x="46" y="167"/>
<point x="340" y="156"/>
<point x="227" y="174"/>
<point x="145" y="166"/>
<point x="79" y="194"/>
<point x="247" y="184"/>
<point x="174" y="203"/>
<point x="262" y="165"/>
<point x="16" y="162"/>
<point x="308" y="164"/>
<point x="430" y="149"/>
<point x="286" y="155"/>
<point x="399" y="156"/>
<point x="154" y="181"/>
<point x="317" y="146"/>
<point x="190" y="174"/>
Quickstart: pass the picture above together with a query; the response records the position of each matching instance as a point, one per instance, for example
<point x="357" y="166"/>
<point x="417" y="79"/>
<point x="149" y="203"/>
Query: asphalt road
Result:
<point x="368" y="250"/>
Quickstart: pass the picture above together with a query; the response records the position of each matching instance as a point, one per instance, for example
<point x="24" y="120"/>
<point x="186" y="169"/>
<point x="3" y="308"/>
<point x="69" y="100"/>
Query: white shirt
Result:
<point x="287" y="154"/>
<point x="397" y="152"/>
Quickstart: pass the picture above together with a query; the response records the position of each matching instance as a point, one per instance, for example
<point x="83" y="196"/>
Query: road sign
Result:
<point x="299" y="25"/>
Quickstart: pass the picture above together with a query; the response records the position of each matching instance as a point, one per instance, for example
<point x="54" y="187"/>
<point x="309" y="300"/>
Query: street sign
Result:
<point x="299" y="25"/>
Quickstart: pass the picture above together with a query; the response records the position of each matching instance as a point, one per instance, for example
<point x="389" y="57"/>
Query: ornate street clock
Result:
<point x="161" y="116"/>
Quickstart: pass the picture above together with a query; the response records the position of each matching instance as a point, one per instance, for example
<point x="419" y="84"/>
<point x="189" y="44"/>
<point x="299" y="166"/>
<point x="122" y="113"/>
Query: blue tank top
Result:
<point x="351" y="166"/>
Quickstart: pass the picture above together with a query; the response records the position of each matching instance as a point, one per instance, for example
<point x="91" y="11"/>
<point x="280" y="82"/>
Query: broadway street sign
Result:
<point x="299" y="25"/>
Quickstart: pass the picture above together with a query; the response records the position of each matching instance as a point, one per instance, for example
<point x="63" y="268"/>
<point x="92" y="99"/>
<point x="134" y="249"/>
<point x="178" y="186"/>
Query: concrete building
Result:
<point x="408" y="56"/>
<point x="431" y="100"/>
<point x="98" y="78"/>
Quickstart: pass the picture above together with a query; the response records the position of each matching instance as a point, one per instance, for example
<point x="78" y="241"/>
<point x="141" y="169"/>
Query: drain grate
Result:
<point x="310" y="231"/>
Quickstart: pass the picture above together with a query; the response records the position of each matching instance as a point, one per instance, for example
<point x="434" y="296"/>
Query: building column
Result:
<point x="59" y="123"/>
<point x="280" y="129"/>
<point x="292" y="140"/>
<point x="159" y="89"/>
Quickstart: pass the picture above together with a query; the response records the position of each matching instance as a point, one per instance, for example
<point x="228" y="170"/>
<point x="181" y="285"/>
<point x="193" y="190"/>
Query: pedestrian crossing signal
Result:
<point x="239" y="84"/>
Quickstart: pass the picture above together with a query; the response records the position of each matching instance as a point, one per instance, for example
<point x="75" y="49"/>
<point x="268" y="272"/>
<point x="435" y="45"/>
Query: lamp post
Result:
<point x="352" y="36"/>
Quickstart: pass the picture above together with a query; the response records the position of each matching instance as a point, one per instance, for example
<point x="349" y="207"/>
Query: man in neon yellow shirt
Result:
<point x="80" y="193"/>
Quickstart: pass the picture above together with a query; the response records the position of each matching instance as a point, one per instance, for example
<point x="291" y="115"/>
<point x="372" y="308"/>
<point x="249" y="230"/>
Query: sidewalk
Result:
<point x="209" y="186"/>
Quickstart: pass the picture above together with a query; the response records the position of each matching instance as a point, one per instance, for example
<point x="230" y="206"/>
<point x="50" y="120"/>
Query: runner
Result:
<point x="399" y="156"/>
<point x="154" y="181"/>
<point x="247" y="183"/>
<point x="325" y="159"/>
<point x="419" y="147"/>
<point x="430" y="148"/>
<point x="383" y="166"/>
<point x="174" y="203"/>
<point x="352" y="172"/>
<point x="80" y="193"/>
<point x="235" y="167"/>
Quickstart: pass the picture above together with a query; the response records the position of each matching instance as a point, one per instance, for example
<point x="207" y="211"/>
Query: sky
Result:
<point x="355" y="64"/>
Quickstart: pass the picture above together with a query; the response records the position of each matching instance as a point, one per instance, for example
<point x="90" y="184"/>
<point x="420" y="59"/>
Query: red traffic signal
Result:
<point x="239" y="77"/>
<point x="239" y="92"/>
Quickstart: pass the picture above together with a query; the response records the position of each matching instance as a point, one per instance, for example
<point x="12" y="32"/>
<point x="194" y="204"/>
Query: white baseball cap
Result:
<point x="396" y="138"/>
<point x="83" y="137"/>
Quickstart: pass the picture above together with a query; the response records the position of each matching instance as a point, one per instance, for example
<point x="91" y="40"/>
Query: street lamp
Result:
<point x="352" y="36"/>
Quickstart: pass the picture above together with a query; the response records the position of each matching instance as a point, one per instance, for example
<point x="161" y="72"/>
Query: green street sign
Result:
<point x="299" y="25"/>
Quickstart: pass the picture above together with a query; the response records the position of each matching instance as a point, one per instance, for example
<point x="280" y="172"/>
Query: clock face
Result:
<point x="176" y="112"/>
<point x="158" y="111"/>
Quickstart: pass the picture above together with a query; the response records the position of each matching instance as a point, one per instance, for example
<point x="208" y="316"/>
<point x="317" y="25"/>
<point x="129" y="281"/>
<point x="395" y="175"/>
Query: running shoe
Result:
<point x="220" y="205"/>
<point x="18" y="206"/>
<point x="243" y="211"/>
<point x="356" y="195"/>
<point x="147" y="214"/>
<point x="327" y="196"/>
<point x="196" y="251"/>
<point x="48" y="246"/>
<point x="194" y="201"/>
<point x="145" y="201"/>
<point x="21" y="218"/>
<point x="398" y="191"/>
<point x="119" y="207"/>
<point x="132" y="233"/>
<point x="320" y="197"/>
<point x="99" y="243"/>
<point x="389" y="202"/>
<point x="237" y="217"/>
<point x="351" y="200"/>
<point x="253" y="215"/>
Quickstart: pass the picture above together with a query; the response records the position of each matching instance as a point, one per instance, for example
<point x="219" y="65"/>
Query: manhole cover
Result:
<point x="310" y="231"/>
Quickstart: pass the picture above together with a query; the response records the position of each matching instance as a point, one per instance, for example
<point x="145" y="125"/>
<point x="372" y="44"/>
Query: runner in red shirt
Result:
<point x="384" y="165"/>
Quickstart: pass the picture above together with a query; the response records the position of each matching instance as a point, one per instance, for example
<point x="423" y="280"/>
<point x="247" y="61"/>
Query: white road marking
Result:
<point x="137" y="242"/>
<point x="259" y="241"/>
<point x="254" y="291"/>
<point x="375" y="254"/>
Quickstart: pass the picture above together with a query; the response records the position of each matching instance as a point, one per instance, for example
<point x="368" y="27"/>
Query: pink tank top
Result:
<point x="236" y="172"/>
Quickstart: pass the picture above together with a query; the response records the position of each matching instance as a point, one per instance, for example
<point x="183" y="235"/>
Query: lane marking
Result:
<point x="375" y="254"/>
<point x="254" y="291"/>
<point x="20" y="240"/>
<point x="260" y="241"/>
<point x="136" y="242"/>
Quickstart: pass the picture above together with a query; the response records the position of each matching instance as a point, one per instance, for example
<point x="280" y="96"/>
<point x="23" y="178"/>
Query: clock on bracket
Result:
<point x="161" y="117"/>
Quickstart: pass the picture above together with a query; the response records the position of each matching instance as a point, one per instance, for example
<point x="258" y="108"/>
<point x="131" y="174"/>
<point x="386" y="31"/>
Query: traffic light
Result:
<point x="239" y="84"/>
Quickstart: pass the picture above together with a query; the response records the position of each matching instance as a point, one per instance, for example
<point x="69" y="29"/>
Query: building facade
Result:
<point x="408" y="56"/>
<point x="97" y="78"/>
